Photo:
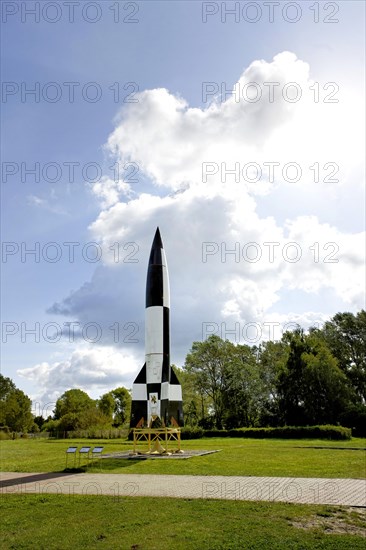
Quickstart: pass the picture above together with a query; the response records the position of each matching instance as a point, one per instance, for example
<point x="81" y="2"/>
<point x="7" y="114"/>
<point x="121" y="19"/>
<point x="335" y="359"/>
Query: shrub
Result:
<point x="355" y="417"/>
<point x="336" y="433"/>
<point x="52" y="426"/>
<point x="98" y="433"/>
<point x="192" y="432"/>
<point x="218" y="433"/>
<point x="5" y="429"/>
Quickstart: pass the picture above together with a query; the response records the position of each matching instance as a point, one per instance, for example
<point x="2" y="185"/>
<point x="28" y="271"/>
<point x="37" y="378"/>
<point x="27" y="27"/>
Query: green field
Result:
<point x="246" y="457"/>
<point x="62" y="522"/>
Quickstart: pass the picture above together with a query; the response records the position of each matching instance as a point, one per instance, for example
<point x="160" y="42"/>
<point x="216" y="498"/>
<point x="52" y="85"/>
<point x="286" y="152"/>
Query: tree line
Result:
<point x="75" y="410"/>
<point x="318" y="377"/>
<point x="306" y="378"/>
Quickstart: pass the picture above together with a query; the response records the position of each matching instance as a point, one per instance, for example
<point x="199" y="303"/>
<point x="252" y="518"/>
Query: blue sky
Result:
<point x="170" y="134"/>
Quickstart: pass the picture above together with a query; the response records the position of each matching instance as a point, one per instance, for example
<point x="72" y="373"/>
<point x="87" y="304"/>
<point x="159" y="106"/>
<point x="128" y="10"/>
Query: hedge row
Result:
<point x="96" y="433"/>
<point x="287" y="432"/>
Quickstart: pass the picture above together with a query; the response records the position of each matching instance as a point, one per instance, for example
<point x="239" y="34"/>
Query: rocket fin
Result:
<point x="141" y="377"/>
<point x="173" y="378"/>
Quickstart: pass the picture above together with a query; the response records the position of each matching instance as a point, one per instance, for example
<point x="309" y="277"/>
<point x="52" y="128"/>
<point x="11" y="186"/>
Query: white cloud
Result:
<point x="110" y="191"/>
<point x="93" y="369"/>
<point x="45" y="204"/>
<point x="170" y="141"/>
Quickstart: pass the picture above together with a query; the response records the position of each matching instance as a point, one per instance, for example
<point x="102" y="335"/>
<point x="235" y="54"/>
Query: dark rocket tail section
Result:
<point x="139" y="398"/>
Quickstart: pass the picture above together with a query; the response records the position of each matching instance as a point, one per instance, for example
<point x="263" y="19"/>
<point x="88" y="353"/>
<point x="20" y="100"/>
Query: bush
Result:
<point x="355" y="417"/>
<point x="336" y="433"/>
<point x="190" y="432"/>
<point x="218" y="433"/>
<point x="5" y="429"/>
<point x="34" y="429"/>
<point x="4" y="435"/>
<point x="52" y="427"/>
<point x="98" y="433"/>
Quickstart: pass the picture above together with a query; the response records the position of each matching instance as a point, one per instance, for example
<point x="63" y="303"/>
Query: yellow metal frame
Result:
<point x="158" y="438"/>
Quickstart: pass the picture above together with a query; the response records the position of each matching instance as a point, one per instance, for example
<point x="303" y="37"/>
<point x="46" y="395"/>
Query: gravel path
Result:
<point x="347" y="492"/>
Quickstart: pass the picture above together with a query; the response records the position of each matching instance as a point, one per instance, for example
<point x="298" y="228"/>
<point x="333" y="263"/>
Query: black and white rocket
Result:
<point x="156" y="391"/>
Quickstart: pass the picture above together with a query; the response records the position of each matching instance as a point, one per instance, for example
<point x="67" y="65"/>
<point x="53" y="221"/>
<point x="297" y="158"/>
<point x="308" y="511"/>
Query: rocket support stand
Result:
<point x="157" y="439"/>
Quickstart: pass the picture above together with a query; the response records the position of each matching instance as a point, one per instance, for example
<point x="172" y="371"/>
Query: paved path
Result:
<point x="347" y="492"/>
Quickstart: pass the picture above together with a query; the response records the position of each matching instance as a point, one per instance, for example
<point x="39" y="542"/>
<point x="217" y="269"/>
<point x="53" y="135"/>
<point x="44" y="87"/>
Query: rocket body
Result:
<point x="156" y="391"/>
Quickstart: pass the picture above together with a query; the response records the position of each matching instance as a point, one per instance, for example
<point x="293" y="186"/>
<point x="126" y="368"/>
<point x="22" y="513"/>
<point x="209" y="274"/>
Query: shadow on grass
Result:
<point x="109" y="464"/>
<point x="34" y="478"/>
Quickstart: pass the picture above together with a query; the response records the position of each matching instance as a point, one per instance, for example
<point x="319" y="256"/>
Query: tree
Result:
<point x="15" y="407"/>
<point x="326" y="386"/>
<point x="106" y="404"/>
<point x="75" y="410"/>
<point x="6" y="386"/>
<point x="195" y="402"/>
<point x="93" y="418"/>
<point x="207" y="361"/>
<point x="345" y="335"/>
<point x="272" y="357"/>
<point x="39" y="421"/>
<point x="69" y="421"/>
<point x="17" y="411"/>
<point x="229" y="375"/>
<point x="122" y="405"/>
<point x="52" y="426"/>
<point x="73" y="401"/>
<point x="312" y="388"/>
<point x="190" y="413"/>
<point x="244" y="393"/>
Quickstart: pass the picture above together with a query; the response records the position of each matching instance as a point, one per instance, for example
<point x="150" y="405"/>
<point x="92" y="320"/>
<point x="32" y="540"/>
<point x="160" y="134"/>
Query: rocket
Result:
<point x="156" y="391"/>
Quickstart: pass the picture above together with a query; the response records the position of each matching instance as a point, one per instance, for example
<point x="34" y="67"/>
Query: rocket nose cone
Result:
<point x="157" y="242"/>
<point x="155" y="254"/>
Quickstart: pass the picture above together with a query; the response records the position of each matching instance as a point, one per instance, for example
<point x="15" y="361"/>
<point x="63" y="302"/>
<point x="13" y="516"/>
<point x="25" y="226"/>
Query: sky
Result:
<point x="236" y="127"/>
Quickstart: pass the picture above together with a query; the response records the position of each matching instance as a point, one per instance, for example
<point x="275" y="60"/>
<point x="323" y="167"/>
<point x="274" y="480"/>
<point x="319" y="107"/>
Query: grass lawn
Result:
<point x="62" y="522"/>
<point x="246" y="457"/>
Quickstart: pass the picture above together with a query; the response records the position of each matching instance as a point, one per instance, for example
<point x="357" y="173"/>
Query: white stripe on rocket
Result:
<point x="139" y="392"/>
<point x="166" y="295"/>
<point x="165" y="390"/>
<point x="154" y="368"/>
<point x="172" y="392"/>
<point x="175" y="393"/>
<point x="154" y="344"/>
<point x="154" y="330"/>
